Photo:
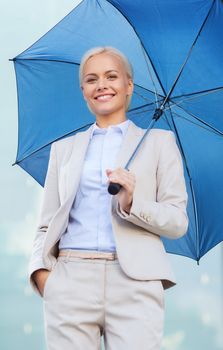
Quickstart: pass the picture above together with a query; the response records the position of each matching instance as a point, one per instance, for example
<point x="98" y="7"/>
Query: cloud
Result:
<point x="173" y="341"/>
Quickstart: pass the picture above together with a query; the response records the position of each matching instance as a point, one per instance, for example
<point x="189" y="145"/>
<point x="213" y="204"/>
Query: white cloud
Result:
<point x="205" y="278"/>
<point x="173" y="341"/>
<point x="27" y="328"/>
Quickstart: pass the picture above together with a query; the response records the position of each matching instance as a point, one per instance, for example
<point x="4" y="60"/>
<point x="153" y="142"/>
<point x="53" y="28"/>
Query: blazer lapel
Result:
<point x="76" y="161"/>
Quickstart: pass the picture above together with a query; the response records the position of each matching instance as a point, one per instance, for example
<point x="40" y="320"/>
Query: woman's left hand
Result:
<point x="127" y="180"/>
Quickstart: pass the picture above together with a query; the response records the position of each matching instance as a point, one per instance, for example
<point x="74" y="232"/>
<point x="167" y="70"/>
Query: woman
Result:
<point x="98" y="260"/>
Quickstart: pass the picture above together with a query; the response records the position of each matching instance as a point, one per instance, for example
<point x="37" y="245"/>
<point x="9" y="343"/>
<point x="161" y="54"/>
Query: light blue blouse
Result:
<point x="89" y="224"/>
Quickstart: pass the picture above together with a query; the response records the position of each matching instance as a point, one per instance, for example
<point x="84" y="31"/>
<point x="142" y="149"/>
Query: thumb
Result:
<point x="108" y="172"/>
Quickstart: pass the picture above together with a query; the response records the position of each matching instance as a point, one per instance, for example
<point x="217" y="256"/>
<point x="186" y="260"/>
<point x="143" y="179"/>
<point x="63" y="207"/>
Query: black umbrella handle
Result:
<point x="114" y="188"/>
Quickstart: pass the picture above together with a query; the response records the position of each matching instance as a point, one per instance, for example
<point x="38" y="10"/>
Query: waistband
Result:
<point x="88" y="254"/>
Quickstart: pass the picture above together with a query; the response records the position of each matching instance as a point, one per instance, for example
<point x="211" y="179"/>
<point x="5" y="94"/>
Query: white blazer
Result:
<point x="158" y="208"/>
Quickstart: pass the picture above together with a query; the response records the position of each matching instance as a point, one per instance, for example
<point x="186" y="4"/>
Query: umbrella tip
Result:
<point x="198" y="260"/>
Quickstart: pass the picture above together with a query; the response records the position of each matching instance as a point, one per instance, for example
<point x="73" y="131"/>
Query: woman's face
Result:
<point x="106" y="85"/>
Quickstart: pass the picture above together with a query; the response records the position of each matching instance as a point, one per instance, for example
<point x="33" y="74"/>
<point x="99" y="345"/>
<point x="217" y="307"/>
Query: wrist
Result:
<point x="37" y="273"/>
<point x="128" y="208"/>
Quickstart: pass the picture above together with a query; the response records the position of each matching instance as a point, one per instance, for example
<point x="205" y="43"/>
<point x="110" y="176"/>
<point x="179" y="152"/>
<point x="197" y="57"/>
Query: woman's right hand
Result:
<point x="40" y="276"/>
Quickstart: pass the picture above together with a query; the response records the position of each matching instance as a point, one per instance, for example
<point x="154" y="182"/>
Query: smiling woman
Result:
<point x="106" y="79"/>
<point x="110" y="268"/>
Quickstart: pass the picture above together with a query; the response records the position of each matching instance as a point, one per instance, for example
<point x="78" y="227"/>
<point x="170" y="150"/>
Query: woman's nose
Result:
<point x="101" y="84"/>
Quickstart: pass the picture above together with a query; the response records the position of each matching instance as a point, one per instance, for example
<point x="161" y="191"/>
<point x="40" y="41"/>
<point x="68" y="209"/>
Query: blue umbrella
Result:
<point x="176" y="49"/>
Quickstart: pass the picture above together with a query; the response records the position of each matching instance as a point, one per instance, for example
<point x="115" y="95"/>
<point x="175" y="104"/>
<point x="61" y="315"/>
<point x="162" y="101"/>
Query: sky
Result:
<point x="194" y="308"/>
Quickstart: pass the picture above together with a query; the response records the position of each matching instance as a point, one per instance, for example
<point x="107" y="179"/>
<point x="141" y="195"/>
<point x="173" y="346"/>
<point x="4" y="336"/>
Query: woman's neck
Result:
<point x="105" y="121"/>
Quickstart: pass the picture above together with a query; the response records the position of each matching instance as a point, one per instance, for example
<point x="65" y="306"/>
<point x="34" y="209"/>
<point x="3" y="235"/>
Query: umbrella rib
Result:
<point x="168" y="123"/>
<point x="194" y="122"/>
<point x="142" y="87"/>
<point x="143" y="97"/>
<point x="47" y="144"/>
<point x="191" y="187"/>
<point x="43" y="59"/>
<point x="188" y="55"/>
<point x="193" y="96"/>
<point x="141" y="107"/>
<point x="154" y="85"/>
<point x="200" y="120"/>
<point x="138" y="36"/>
<point x="202" y="92"/>
<point x="141" y="111"/>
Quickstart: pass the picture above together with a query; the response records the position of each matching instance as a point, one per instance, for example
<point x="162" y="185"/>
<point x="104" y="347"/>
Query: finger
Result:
<point x="122" y="174"/>
<point x="121" y="171"/>
<point x="126" y="174"/>
<point x="125" y="181"/>
<point x="108" y="172"/>
<point x="128" y="178"/>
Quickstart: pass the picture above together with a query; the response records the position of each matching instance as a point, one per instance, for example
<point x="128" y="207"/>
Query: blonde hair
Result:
<point x="110" y="50"/>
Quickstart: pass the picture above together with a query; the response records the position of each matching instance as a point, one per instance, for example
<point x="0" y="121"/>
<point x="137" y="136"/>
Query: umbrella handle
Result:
<point x="114" y="188"/>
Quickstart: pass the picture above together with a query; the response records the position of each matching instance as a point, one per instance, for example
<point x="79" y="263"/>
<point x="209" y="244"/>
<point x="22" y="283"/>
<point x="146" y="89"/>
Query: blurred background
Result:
<point x="194" y="308"/>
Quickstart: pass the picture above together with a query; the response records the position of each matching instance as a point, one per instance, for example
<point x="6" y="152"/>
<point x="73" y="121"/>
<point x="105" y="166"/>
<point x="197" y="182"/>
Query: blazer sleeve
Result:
<point x="167" y="216"/>
<point x="50" y="205"/>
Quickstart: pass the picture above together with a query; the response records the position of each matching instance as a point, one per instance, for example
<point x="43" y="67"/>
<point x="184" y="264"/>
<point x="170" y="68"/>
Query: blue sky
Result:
<point x="194" y="307"/>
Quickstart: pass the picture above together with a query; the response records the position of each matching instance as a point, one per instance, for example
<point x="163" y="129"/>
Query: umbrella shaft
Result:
<point x="156" y="116"/>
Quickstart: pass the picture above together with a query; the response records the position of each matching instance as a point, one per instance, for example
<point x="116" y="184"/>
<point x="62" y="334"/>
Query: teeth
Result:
<point x="103" y="97"/>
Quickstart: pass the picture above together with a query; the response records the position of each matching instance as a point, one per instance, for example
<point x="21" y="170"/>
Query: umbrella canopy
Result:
<point x="176" y="49"/>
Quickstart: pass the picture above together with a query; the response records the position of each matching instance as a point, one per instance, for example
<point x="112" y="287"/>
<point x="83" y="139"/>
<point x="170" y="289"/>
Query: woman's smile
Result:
<point x="104" y="97"/>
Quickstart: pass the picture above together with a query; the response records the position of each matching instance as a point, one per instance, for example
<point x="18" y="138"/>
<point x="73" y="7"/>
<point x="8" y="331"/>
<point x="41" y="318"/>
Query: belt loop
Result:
<point x="67" y="257"/>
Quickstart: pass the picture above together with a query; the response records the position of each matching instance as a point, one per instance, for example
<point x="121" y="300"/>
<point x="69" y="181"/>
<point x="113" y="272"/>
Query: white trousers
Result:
<point x="85" y="298"/>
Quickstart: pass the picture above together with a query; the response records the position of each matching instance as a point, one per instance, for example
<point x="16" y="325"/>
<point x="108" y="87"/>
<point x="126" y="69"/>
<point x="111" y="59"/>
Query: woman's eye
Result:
<point x="112" y="76"/>
<point x="90" y="80"/>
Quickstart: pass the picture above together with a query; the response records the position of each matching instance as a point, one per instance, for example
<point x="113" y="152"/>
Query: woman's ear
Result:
<point x="82" y="89"/>
<point x="130" y="87"/>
